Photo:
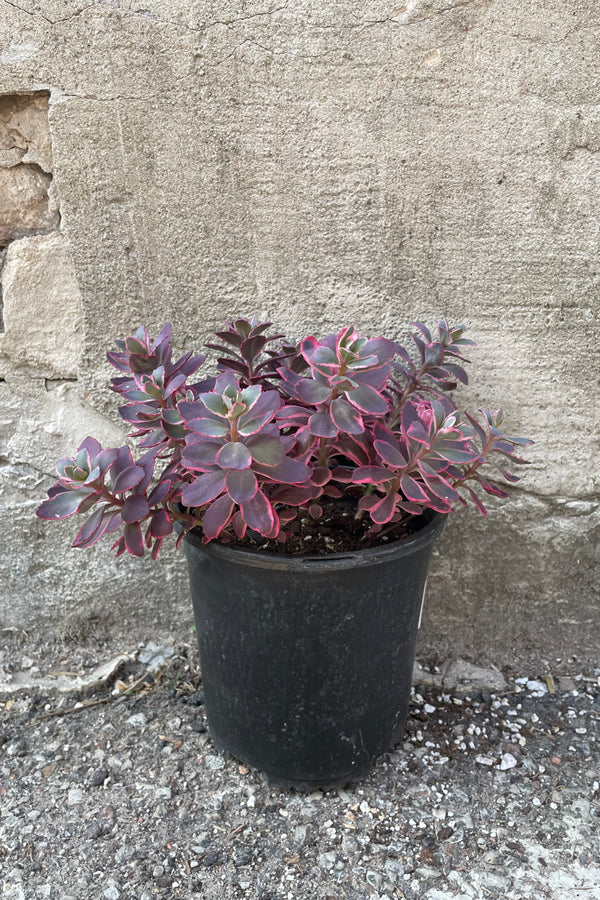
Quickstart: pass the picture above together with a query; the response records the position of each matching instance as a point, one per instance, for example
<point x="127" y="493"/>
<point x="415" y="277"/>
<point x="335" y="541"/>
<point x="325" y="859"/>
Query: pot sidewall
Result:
<point x="307" y="662"/>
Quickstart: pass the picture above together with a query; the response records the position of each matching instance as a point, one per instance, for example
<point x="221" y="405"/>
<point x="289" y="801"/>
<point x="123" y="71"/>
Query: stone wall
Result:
<point x="319" y="163"/>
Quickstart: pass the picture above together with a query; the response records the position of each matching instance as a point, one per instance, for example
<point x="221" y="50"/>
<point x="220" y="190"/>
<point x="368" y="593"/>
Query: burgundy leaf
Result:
<point x="477" y="501"/>
<point x="160" y="525"/>
<point x="209" y="427"/>
<point x="266" y="449"/>
<point x="313" y="392"/>
<point x="90" y="527"/>
<point x="258" y="514"/>
<point x="234" y="455"/>
<point x="63" y="504"/>
<point x="132" y="536"/>
<point x="367" y="399"/>
<point x="200" y="454"/>
<point x="457" y="456"/>
<point x="390" y="453"/>
<point x="290" y="471"/>
<point x="371" y="475"/>
<point x="127" y="478"/>
<point x="411" y="489"/>
<point x="322" y="425"/>
<point x="159" y="493"/>
<point x="241" y="484"/>
<point x="320" y="475"/>
<point x="204" y="489"/>
<point x="294" y="496"/>
<point x="346" y="417"/>
<point x="134" y="508"/>
<point x="216" y="517"/>
<point x="261" y="413"/>
<point x="384" y="509"/>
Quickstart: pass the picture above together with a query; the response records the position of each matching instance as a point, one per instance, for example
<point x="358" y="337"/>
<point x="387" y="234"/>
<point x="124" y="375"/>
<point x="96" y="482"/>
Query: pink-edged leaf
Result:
<point x="90" y="527"/>
<point x="216" y="517"/>
<point x="315" y="511"/>
<point x="200" y="454"/>
<point x="174" y="385"/>
<point x="417" y="432"/>
<point x="383" y="348"/>
<point x="241" y="484"/>
<point x="209" y="427"/>
<point x="313" y="392"/>
<point x="294" y="496"/>
<point x="384" y="509"/>
<point x="292" y="415"/>
<point x="119" y="546"/>
<point x="204" y="489"/>
<point x="509" y="476"/>
<point x="371" y="475"/>
<point x="92" y="446"/>
<point x="438" y="504"/>
<point x="413" y="509"/>
<point x="367" y="399"/>
<point x="290" y="471"/>
<point x="132" y="536"/>
<point x="320" y="475"/>
<point x="160" y="524"/>
<point x="343" y="474"/>
<point x="441" y="489"/>
<point x="260" y="415"/>
<point x="252" y="347"/>
<point x="477" y="501"/>
<point x="322" y="425"/>
<point x="390" y="454"/>
<point x="411" y="489"/>
<point x="239" y="526"/>
<point x="368" y="501"/>
<point x="346" y="417"/>
<point x="456" y="455"/>
<point x="234" y="455"/>
<point x="134" y="508"/>
<point x="266" y="449"/>
<point x="159" y="493"/>
<point x="63" y="504"/>
<point x="214" y="403"/>
<point x="110" y="524"/>
<point x="490" y="488"/>
<point x="127" y="478"/>
<point x="154" y="439"/>
<point x="258" y="514"/>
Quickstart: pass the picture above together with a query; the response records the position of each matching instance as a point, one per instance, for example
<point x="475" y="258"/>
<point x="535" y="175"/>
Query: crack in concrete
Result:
<point x="40" y="15"/>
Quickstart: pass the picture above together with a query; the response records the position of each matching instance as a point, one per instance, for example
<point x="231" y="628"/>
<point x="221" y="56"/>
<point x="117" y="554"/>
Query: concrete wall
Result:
<point x="322" y="163"/>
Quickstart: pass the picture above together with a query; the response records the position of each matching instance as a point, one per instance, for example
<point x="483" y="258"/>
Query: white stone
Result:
<point x="25" y="206"/>
<point x="24" y="129"/>
<point x="508" y="761"/>
<point x="74" y="797"/>
<point x="42" y="306"/>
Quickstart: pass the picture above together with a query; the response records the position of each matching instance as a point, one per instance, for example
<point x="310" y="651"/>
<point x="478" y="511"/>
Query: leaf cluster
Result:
<point x="277" y="429"/>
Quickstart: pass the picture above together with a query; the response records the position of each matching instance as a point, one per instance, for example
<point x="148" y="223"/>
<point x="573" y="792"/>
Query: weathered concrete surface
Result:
<point x="323" y="162"/>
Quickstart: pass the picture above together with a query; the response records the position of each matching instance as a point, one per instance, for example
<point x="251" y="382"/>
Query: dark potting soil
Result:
<point x="336" y="531"/>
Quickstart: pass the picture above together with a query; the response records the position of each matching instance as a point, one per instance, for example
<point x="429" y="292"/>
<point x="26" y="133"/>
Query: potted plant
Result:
<point x="308" y="482"/>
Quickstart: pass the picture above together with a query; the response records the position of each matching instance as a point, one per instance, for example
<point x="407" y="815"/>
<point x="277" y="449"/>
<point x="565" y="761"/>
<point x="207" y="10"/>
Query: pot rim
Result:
<point x="350" y="558"/>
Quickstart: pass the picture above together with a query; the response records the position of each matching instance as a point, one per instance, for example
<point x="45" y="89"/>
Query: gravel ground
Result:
<point x="118" y="793"/>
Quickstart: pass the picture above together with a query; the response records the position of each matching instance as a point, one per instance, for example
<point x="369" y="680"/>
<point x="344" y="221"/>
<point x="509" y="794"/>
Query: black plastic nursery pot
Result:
<point x="307" y="660"/>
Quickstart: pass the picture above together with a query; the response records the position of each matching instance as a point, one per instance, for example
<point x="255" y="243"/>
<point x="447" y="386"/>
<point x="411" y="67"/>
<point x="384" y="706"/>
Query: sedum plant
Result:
<point x="279" y="431"/>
